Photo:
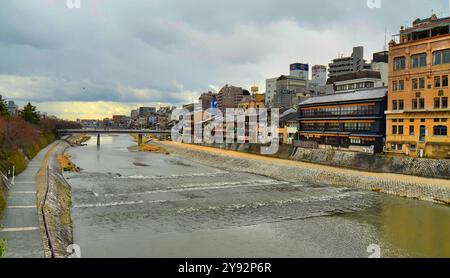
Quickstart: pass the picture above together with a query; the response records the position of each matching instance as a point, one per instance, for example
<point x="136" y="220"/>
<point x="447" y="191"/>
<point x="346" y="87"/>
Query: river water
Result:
<point x="134" y="204"/>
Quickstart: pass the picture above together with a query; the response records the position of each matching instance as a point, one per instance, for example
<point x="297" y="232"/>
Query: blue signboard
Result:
<point x="299" y="66"/>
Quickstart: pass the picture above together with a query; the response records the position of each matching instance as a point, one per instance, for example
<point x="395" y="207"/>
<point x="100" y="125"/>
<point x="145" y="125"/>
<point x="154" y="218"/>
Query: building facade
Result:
<point x="351" y="121"/>
<point x="300" y="70"/>
<point x="207" y="100"/>
<point x="231" y="96"/>
<point x="353" y="63"/>
<point x="356" y="81"/>
<point x="319" y="75"/>
<point x="283" y="91"/>
<point x="418" y="111"/>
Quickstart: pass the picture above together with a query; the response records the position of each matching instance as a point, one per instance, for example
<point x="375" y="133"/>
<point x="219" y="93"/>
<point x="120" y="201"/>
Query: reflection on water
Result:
<point x="421" y="228"/>
<point x="133" y="204"/>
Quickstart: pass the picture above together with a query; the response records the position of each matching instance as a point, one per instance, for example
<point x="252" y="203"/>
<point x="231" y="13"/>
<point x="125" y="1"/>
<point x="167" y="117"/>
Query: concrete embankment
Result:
<point x="429" y="168"/>
<point x="54" y="200"/>
<point x="435" y="190"/>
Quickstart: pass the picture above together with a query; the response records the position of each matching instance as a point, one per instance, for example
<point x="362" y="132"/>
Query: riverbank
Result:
<point x="422" y="167"/>
<point x="427" y="189"/>
<point x="54" y="203"/>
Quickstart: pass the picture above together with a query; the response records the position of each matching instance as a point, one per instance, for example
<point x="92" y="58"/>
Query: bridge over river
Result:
<point x="140" y="132"/>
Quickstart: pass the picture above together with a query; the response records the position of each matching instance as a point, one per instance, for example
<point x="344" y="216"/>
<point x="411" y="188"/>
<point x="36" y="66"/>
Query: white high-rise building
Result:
<point x="319" y="75"/>
<point x="300" y="70"/>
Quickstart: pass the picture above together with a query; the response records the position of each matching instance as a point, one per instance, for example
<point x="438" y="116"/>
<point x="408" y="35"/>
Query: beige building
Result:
<point x="418" y="111"/>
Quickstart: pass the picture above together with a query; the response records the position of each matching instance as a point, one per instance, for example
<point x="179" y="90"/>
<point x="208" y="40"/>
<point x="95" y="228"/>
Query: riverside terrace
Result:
<point x="140" y="132"/>
<point x="352" y="121"/>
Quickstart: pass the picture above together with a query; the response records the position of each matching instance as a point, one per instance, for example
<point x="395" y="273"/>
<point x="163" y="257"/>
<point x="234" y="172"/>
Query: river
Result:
<point x="135" y="204"/>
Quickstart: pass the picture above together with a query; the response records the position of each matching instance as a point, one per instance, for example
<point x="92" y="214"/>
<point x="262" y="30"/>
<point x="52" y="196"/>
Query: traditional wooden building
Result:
<point x="353" y="121"/>
<point x="418" y="111"/>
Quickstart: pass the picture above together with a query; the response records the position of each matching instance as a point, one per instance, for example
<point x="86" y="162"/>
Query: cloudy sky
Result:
<point x="112" y="55"/>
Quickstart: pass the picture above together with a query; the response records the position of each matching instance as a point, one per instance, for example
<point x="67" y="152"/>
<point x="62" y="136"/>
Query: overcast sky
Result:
<point x="112" y="55"/>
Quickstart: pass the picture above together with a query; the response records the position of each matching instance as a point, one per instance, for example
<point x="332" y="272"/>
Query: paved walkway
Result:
<point x="20" y="225"/>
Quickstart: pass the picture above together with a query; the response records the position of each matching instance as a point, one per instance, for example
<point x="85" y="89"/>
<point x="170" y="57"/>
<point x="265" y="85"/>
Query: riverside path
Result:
<point x="20" y="224"/>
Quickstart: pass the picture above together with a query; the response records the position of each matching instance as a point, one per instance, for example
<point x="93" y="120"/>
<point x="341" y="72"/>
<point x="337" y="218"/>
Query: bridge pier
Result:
<point x="140" y="140"/>
<point x="98" y="139"/>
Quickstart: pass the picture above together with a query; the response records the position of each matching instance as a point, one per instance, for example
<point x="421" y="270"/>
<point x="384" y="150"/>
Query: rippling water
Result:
<point x="131" y="204"/>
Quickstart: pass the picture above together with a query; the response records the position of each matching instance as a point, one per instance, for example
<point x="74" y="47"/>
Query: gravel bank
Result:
<point x="427" y="189"/>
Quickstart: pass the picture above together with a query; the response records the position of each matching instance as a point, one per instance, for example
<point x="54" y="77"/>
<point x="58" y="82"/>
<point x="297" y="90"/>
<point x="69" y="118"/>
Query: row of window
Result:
<point x="353" y="126"/>
<point x="340" y="111"/>
<point x="438" y="130"/>
<point x="439" y="103"/>
<point x="437" y="120"/>
<point x="419" y="83"/>
<point x="420" y="60"/>
<point x="353" y="86"/>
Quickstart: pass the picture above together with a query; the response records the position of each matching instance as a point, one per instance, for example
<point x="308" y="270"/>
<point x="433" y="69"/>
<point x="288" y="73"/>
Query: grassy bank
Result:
<point x="3" y="247"/>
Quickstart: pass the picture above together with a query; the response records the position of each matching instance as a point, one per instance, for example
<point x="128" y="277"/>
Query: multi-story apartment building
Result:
<point x="353" y="63"/>
<point x="231" y="96"/>
<point x="350" y="121"/>
<point x="418" y="111"/>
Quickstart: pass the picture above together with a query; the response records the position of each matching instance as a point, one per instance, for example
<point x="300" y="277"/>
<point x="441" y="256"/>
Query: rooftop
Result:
<point x="354" y="75"/>
<point x="423" y="29"/>
<point x="371" y="94"/>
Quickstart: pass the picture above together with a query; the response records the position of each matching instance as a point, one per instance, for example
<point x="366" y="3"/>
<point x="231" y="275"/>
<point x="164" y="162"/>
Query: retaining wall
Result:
<point x="422" y="167"/>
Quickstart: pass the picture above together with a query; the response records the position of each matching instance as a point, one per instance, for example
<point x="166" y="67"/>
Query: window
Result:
<point x="401" y="105"/>
<point x="445" y="81"/>
<point x="445" y="102"/>
<point x="413" y="148"/>
<point x="441" y="57"/>
<point x="437" y="120"/>
<point x="411" y="120"/>
<point x="437" y="103"/>
<point x="399" y="63"/>
<point x="394" y="105"/>
<point x="440" y="130"/>
<point x="415" y="86"/>
<point x="394" y="86"/>
<point x="394" y="129"/>
<point x="421" y="103"/>
<point x="400" y="129"/>
<point x="397" y="147"/>
<point x="419" y="60"/>
<point x="437" y="81"/>
<point x="422" y="83"/>
<point x="401" y="85"/>
<point x="414" y="104"/>
<point x="444" y="120"/>
<point x="411" y="130"/>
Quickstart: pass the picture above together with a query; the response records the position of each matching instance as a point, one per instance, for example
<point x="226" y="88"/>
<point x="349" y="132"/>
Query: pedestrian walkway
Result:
<point x="20" y="225"/>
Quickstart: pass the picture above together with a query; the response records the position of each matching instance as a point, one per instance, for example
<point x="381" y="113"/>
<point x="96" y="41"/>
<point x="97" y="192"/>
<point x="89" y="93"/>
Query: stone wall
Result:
<point x="316" y="175"/>
<point x="57" y="204"/>
<point x="430" y="168"/>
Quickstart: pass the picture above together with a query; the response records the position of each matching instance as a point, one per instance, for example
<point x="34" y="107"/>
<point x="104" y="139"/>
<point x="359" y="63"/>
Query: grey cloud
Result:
<point x="164" y="50"/>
